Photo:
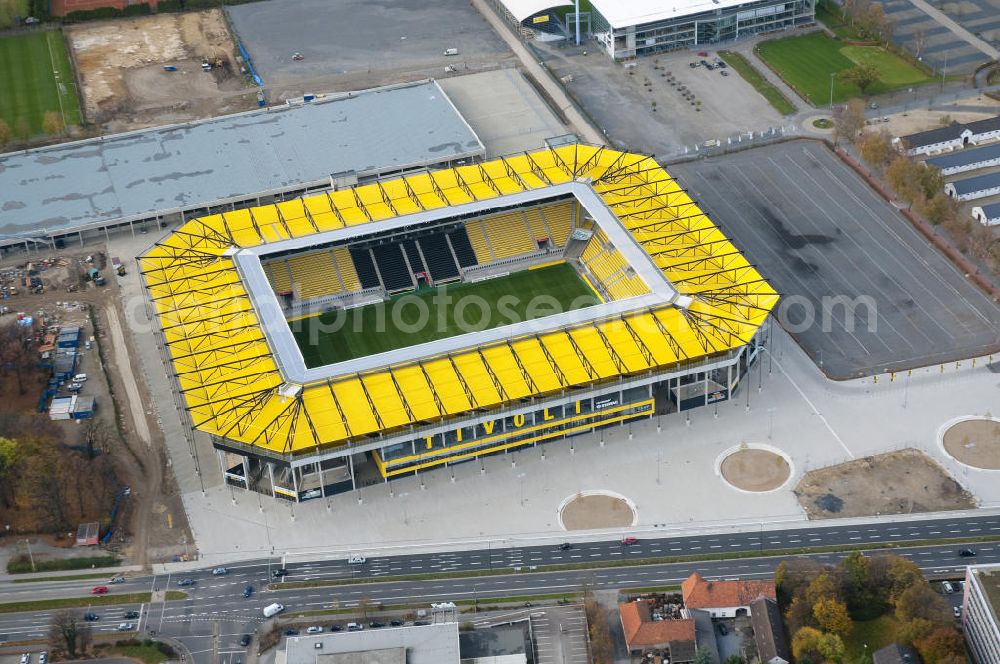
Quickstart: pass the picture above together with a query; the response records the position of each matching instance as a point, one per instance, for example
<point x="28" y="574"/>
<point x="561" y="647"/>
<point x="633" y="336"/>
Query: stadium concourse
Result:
<point x="675" y="320"/>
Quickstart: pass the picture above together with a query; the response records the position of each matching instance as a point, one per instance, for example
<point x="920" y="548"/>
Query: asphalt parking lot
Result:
<point x="353" y="44"/>
<point x="823" y="238"/>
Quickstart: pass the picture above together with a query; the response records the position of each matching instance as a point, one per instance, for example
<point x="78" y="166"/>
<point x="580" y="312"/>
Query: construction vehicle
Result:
<point x="117" y="266"/>
<point x="95" y="276"/>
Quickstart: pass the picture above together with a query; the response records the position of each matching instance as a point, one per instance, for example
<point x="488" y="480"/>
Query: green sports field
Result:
<point x="806" y="63"/>
<point x="439" y="313"/>
<point x="36" y="77"/>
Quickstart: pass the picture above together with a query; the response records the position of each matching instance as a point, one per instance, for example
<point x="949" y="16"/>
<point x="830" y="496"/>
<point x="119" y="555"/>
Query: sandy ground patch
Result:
<point x="975" y="443"/>
<point x="587" y="512"/>
<point x="920" y="119"/>
<point x="755" y="470"/>
<point x="123" y="81"/>
<point x="895" y="483"/>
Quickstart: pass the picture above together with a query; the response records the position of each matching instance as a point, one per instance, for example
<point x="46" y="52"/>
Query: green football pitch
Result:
<point x="438" y="313"/>
<point x="806" y="62"/>
<point x="35" y="78"/>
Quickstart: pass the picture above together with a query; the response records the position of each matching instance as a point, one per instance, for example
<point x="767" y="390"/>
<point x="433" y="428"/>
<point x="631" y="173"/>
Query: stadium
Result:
<point x="371" y="332"/>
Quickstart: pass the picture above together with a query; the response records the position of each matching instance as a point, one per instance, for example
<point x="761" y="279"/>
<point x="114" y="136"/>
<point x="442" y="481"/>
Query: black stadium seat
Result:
<point x="395" y="275"/>
<point x="412" y="253"/>
<point x="439" y="259"/>
<point x="365" y="268"/>
<point x="463" y="247"/>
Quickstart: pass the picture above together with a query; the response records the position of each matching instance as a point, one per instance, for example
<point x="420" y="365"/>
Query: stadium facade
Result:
<point x="677" y="321"/>
<point x="634" y="28"/>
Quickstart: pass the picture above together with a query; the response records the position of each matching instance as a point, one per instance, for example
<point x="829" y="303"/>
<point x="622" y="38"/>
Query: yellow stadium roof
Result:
<point x="235" y="389"/>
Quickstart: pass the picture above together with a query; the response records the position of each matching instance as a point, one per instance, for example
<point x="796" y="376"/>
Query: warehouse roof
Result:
<point x="194" y="165"/>
<point x="976" y="183"/>
<point x="984" y="126"/>
<point x="624" y="13"/>
<point x="934" y="136"/>
<point x="235" y="388"/>
<point x="422" y="644"/>
<point x="990" y="211"/>
<point x="966" y="157"/>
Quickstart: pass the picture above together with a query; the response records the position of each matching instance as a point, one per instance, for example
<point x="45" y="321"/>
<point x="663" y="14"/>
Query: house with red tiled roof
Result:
<point x="724" y="599"/>
<point x="642" y="633"/>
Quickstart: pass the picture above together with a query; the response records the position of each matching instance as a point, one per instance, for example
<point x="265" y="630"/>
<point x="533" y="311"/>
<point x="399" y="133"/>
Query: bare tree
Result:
<point x="67" y="633"/>
<point x="850" y="120"/>
<point x="919" y="41"/>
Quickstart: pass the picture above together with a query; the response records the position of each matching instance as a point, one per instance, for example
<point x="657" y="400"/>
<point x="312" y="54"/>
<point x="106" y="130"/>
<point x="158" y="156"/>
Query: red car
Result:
<point x="626" y="541"/>
<point x="98" y="590"/>
<point x="702" y="54"/>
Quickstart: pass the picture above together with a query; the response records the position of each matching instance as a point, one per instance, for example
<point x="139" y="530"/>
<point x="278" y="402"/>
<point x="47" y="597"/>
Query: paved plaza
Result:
<point x="667" y="467"/>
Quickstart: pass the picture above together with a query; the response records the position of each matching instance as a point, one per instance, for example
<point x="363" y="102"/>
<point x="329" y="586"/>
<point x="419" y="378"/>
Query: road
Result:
<point x="215" y="615"/>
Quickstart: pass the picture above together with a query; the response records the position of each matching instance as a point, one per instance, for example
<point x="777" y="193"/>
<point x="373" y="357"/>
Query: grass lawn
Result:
<point x="415" y="318"/>
<point x="75" y="602"/>
<point x="11" y="8"/>
<point x="147" y="653"/>
<point x="750" y="74"/>
<point x="35" y="77"/>
<point x="876" y="633"/>
<point x="807" y="61"/>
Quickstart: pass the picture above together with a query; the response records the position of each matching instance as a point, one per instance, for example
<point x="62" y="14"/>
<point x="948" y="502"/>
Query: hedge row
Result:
<point x="141" y="9"/>
<point x="22" y="564"/>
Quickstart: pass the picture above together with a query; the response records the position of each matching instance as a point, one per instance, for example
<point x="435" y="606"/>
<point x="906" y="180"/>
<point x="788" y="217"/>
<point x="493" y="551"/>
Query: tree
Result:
<point x="875" y="149"/>
<point x="902" y="176"/>
<point x="919" y="41"/>
<point x="832" y="616"/>
<point x="938" y="209"/>
<point x="22" y="128"/>
<point x="702" y="656"/>
<point x="943" y="642"/>
<point x="52" y="123"/>
<point x="5" y="133"/>
<point x="799" y="615"/>
<point x="806" y="642"/>
<point x="832" y="647"/>
<point x="919" y="601"/>
<point x="734" y="659"/>
<point x="863" y="75"/>
<point x="65" y="632"/>
<point x="850" y="120"/>
<point x="873" y="21"/>
<point x="822" y="587"/>
<point x="913" y="631"/>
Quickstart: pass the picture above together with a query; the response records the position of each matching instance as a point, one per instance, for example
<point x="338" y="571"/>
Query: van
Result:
<point x="272" y="610"/>
<point x="948" y="588"/>
<point x="451" y="51"/>
<point x="356" y="560"/>
<point x="80" y="378"/>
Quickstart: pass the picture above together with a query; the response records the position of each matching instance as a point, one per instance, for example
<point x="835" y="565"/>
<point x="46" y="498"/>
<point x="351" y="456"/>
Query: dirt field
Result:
<point x="587" y="512"/>
<point x="755" y="470"/>
<point x="920" y="119"/>
<point x="975" y="443"/>
<point x="895" y="483"/>
<point x="121" y="69"/>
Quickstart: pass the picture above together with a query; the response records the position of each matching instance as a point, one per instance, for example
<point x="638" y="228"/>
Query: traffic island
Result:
<point x="973" y="441"/>
<point x="588" y="510"/>
<point x="755" y="468"/>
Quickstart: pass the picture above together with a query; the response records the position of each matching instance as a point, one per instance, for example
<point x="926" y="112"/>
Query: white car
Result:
<point x="126" y="627"/>
<point x="25" y="658"/>
<point x="356" y="560"/>
<point x="117" y="579"/>
<point x="220" y="571"/>
<point x="948" y="588"/>
<point x="80" y="378"/>
<point x="43" y="657"/>
<point x="315" y="629"/>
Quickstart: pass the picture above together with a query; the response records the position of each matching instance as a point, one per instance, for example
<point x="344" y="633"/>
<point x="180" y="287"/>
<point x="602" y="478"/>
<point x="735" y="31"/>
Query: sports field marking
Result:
<point x="35" y="78"/>
<point x="439" y="313"/>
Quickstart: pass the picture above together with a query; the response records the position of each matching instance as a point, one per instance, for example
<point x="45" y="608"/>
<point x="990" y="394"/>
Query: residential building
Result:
<point x="724" y="599"/>
<point x="980" y="608"/>
<point x="643" y="633"/>
<point x="979" y="186"/>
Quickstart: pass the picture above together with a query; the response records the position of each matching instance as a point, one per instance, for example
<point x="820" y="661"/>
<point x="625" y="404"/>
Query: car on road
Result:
<point x="421" y="623"/>
<point x="375" y="624"/>
<point x="948" y="588"/>
<point x="314" y="629"/>
<point x="25" y="658"/>
<point x="220" y="571"/>
<point x="131" y="615"/>
<point x="336" y="628"/>
<point x="629" y="541"/>
<point x="356" y="560"/>
<point x="354" y="627"/>
<point x="126" y="627"/>
<point x="723" y="630"/>
<point x="247" y="590"/>
<point x="43" y="657"/>
<point x="91" y="617"/>
<point x="117" y="579"/>
<point x="724" y="72"/>
<point x="245" y="640"/>
<point x="967" y="553"/>
<point x="272" y="610"/>
<point x="99" y="590"/>
<point x="395" y="623"/>
<point x="291" y="632"/>
<point x="565" y="546"/>
<point x="185" y="582"/>
<point x="957" y="610"/>
<point x="278" y="573"/>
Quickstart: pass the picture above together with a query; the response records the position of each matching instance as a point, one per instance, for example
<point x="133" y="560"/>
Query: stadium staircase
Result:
<point x="392" y="266"/>
<point x="413" y="257"/>
<point x="365" y="268"/>
<point x="559" y="220"/>
<point x="345" y="268"/>
<point x="536" y="225"/>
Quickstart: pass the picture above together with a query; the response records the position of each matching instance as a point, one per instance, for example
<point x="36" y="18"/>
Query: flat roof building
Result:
<point x="987" y="215"/>
<point x="257" y="157"/>
<point x="424" y="644"/>
<point x="629" y="28"/>
<point x="933" y="141"/>
<point x="971" y="159"/>
<point x="980" y="611"/>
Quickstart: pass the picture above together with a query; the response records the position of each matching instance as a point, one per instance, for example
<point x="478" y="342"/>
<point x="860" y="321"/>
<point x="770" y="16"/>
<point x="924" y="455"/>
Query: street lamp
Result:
<point x="832" y="75"/>
<point x="520" y="478"/>
<point x="30" y="557"/>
